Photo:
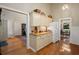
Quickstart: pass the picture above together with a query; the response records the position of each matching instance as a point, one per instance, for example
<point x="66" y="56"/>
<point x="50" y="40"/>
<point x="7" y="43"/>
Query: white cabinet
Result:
<point x="38" y="42"/>
<point x="36" y="19"/>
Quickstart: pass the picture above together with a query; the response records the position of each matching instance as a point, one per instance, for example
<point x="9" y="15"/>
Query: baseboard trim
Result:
<point x="32" y="49"/>
<point x="74" y="44"/>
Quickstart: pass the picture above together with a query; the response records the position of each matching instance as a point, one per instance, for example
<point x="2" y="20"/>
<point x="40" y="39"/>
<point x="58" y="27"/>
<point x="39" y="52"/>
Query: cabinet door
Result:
<point x="43" y="20"/>
<point x="33" y="42"/>
<point x="40" y="42"/>
<point x="43" y="41"/>
<point x="36" y="19"/>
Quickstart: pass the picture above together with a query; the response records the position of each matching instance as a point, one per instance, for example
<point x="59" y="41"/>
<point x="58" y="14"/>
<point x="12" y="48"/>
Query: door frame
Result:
<point x="70" y="24"/>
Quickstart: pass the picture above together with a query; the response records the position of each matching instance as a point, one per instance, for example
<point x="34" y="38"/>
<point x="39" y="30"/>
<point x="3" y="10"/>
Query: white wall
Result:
<point x="14" y="21"/>
<point x="3" y="29"/>
<point x="75" y="35"/>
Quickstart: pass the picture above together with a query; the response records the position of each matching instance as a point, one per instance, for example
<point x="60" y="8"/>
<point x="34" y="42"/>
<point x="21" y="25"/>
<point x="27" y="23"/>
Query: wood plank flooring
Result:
<point x="58" y="48"/>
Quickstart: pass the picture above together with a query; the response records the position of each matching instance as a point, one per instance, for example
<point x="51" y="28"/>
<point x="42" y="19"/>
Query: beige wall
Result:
<point x="72" y="12"/>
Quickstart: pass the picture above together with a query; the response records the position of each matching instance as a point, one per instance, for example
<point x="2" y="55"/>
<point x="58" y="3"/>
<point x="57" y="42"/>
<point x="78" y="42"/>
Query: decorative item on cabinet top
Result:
<point x="50" y="16"/>
<point x="39" y="11"/>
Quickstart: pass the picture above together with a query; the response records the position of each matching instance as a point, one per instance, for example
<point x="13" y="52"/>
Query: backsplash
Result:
<point x="39" y="29"/>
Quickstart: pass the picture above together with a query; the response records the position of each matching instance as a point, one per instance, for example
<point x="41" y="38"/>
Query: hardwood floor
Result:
<point x="74" y="49"/>
<point x="58" y="48"/>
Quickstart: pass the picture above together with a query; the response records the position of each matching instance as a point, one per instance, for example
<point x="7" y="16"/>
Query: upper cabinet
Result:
<point x="37" y="19"/>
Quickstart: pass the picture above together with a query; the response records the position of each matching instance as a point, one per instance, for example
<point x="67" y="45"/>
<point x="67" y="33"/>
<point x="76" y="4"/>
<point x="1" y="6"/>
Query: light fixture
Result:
<point x="65" y="7"/>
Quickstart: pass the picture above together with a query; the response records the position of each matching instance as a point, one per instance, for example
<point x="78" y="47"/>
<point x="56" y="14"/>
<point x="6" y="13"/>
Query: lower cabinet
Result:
<point x="38" y="42"/>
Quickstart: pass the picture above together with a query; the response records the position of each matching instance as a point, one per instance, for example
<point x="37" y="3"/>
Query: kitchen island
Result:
<point x="40" y="40"/>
